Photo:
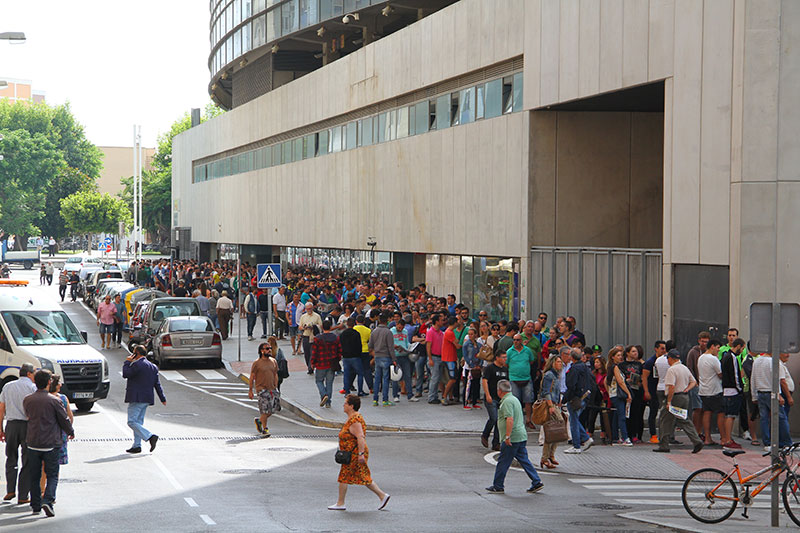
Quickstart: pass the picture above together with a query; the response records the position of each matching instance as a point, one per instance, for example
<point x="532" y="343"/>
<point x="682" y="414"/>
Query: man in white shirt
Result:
<point x="709" y="373"/>
<point x="761" y="389"/>
<point x="678" y="382"/>
<point x="787" y="384"/>
<point x="279" y="312"/>
<point x="660" y="368"/>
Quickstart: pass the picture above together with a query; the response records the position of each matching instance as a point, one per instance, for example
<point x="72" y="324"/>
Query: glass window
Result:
<point x="421" y="113"/>
<point x="273" y="24"/>
<point x="455" y="117"/>
<point x="365" y="131"/>
<point x="508" y="94"/>
<point x="391" y="125"/>
<point x="351" y="136"/>
<point x="382" y="128"/>
<point x="286" y="151"/>
<point x="308" y="13"/>
<point x="237" y="43"/>
<point x="402" y="122"/>
<point x="289" y="17"/>
<point x="309" y="146"/>
<point x="494" y="98"/>
<point x="277" y="156"/>
<point x="246" y="9"/>
<point x="258" y="159"/>
<point x="335" y="140"/>
<point x="298" y="149"/>
<point x="258" y="6"/>
<point x="228" y="18"/>
<point x="322" y="142"/>
<point x="237" y="12"/>
<point x="466" y="105"/>
<point x="330" y="8"/>
<point x="443" y="112"/>
<point x="259" y="31"/>
<point x="246" y="44"/>
<point x="479" y="93"/>
<point x="233" y="165"/>
<point x="246" y="162"/>
<point x="226" y="167"/>
<point x="517" y="92"/>
<point x="267" y="156"/>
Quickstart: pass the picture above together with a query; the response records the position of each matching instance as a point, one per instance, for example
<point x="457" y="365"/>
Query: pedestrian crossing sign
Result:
<point x="269" y="275"/>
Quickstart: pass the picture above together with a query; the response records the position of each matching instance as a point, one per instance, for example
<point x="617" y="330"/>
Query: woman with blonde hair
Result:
<point x="277" y="353"/>
<point x="551" y="391"/>
<point x="620" y="397"/>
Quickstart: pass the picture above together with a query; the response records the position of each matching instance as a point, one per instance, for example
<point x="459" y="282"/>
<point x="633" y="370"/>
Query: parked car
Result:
<point x="163" y="308"/>
<point x="144" y="295"/>
<point x="77" y="262"/>
<point x="103" y="288"/>
<point x="187" y="338"/>
<point x="87" y="286"/>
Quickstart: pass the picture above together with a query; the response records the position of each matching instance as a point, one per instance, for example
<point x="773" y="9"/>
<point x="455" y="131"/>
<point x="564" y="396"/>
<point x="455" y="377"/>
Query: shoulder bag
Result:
<point x="541" y="408"/>
<point x="343" y="457"/>
<point x="486" y="353"/>
<point x="555" y="431"/>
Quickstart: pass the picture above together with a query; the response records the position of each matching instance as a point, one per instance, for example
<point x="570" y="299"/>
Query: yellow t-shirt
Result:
<point x="365" y="332"/>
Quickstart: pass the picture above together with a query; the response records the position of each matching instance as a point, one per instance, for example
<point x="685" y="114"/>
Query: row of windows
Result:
<point x="486" y="100"/>
<point x="282" y="18"/>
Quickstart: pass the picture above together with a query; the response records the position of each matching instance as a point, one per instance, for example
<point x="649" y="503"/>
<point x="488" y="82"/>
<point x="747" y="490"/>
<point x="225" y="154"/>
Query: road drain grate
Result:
<point x="236" y="438"/>
<point x="605" y="506"/>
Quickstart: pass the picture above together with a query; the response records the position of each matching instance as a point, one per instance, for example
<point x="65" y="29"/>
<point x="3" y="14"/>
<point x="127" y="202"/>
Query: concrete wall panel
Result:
<point x="611" y="29"/>
<point x="569" y="26"/>
<point x="589" y="48"/>
<point x="788" y="228"/>
<point x="635" y="41"/>
<point x="646" y="180"/>
<point x="550" y="30"/>
<point x="661" y="39"/>
<point x="788" y="89"/>
<point x="533" y="56"/>
<point x="542" y="181"/>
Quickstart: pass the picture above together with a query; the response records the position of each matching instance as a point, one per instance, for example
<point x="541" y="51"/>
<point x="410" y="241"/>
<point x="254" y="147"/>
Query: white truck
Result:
<point x="34" y="329"/>
<point x="28" y="257"/>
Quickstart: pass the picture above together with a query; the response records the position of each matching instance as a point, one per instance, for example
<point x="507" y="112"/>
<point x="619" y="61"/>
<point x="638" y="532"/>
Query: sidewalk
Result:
<point x="677" y="518"/>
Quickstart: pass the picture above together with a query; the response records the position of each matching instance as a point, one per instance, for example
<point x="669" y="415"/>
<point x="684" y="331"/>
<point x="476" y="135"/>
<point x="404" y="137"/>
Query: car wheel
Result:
<point x="84" y="407"/>
<point x="28" y="264"/>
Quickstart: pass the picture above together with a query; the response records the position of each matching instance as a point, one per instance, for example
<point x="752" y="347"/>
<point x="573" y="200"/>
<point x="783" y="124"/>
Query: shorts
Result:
<point x="694" y="399"/>
<point x="451" y="368"/>
<point x="106" y="328"/>
<point x="713" y="403"/>
<point x="523" y="390"/>
<point x="752" y="407"/>
<point x="269" y="401"/>
<point x="733" y="404"/>
<point x="293" y="331"/>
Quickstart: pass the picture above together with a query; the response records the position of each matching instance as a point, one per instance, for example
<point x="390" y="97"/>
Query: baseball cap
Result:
<point x="674" y="354"/>
<point x="597" y="348"/>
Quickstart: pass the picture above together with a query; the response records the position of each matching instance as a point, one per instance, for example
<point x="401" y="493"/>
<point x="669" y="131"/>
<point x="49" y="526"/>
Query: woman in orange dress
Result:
<point x="352" y="438"/>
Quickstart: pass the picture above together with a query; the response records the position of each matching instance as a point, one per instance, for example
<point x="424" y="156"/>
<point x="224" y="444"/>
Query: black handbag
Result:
<point x="343" y="457"/>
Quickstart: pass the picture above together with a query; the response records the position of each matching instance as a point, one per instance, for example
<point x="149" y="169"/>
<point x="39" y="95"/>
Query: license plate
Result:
<point x="192" y="342"/>
<point x="83" y="395"/>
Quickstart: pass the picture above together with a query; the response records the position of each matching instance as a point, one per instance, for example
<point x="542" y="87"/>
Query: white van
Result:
<point x="34" y="329"/>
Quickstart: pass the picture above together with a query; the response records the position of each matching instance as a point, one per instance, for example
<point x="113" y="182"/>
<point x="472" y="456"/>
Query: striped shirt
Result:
<point x="13" y="394"/>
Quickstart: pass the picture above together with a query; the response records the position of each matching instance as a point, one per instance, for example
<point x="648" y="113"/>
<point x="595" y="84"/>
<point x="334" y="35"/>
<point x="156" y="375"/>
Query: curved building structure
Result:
<point x="631" y="163"/>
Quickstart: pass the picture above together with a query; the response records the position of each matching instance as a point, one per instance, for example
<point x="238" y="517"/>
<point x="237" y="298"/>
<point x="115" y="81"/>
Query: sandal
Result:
<point x="755" y="443"/>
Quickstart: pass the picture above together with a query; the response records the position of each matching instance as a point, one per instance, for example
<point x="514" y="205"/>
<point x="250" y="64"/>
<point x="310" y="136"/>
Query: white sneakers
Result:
<point x="573" y="450"/>
<point x="588" y="444"/>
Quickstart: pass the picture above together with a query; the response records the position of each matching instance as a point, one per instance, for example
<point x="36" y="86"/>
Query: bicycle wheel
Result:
<point x="699" y="501"/>
<point x="791" y="498"/>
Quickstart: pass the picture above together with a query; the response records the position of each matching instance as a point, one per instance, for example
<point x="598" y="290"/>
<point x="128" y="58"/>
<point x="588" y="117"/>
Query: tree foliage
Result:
<point x="157" y="182"/>
<point x="92" y="212"/>
<point x="46" y="157"/>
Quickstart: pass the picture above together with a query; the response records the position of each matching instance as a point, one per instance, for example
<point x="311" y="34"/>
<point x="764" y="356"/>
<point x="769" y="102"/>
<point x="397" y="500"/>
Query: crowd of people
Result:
<point x="448" y="354"/>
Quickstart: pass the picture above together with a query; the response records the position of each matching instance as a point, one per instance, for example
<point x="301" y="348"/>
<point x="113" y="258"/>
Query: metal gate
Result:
<point x="614" y="293"/>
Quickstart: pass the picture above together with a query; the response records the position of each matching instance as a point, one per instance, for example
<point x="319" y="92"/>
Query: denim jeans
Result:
<point x="251" y="323"/>
<point x="34" y="473"/>
<point x="576" y="429"/>
<point x="263" y="315"/>
<point x="352" y="368"/>
<point x="618" y="425"/>
<point x="419" y="369"/>
<point x="324" y="379"/>
<point x="405" y="366"/>
<point x="433" y="383"/>
<point x="382" y="365"/>
<point x="491" y="424"/>
<point x="784" y="439"/>
<point x="367" y="369"/>
<point x="518" y="451"/>
<point x="136" y="411"/>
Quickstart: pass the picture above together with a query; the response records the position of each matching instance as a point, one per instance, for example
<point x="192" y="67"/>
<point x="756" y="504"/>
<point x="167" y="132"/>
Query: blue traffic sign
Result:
<point x="108" y="240"/>
<point x="269" y="275"/>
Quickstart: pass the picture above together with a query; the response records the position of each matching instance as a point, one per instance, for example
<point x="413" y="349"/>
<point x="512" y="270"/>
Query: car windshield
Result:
<point x="42" y="327"/>
<point x="74" y="260"/>
<point x="187" y="324"/>
<point x="168" y="309"/>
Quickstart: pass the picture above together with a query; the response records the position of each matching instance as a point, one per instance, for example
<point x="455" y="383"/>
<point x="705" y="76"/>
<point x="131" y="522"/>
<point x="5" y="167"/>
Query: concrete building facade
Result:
<point x="638" y="156"/>
<point x="20" y="91"/>
<point x="118" y="164"/>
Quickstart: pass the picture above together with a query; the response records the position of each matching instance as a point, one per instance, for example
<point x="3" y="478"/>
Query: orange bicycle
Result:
<point x="711" y="496"/>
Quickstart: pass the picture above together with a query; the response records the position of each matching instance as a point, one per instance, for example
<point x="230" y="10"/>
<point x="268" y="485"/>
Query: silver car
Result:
<point x="187" y="338"/>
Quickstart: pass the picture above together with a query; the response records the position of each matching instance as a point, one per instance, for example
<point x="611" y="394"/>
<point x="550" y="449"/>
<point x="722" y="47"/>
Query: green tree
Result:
<point x="74" y="165"/>
<point x="91" y="212"/>
<point x="157" y="182"/>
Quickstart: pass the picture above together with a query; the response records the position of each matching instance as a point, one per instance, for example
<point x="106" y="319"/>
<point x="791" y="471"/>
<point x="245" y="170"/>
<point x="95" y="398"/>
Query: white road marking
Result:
<point x="235" y="393"/>
<point x="677" y="493"/>
<point x="207" y="520"/>
<point x="216" y="383"/>
<point x="229" y="386"/>
<point x="167" y="473"/>
<point x="489" y="458"/>
<point x="210" y="374"/>
<point x="191" y="502"/>
<point x="172" y="375"/>
<point x="626" y="482"/>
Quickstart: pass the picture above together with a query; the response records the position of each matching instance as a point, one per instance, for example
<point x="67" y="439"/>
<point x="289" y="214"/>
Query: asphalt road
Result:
<point x="211" y="472"/>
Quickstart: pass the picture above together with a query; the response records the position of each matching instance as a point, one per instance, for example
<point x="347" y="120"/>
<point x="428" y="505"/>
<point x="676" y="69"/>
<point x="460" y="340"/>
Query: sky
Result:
<point x="117" y="62"/>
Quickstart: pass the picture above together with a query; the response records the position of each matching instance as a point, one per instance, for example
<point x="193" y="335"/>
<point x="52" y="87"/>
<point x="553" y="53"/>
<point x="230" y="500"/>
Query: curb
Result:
<point x="310" y="417"/>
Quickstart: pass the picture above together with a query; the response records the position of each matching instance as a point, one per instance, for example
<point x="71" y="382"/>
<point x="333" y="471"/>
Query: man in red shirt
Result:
<point x="450" y="346"/>
<point x="433" y="344"/>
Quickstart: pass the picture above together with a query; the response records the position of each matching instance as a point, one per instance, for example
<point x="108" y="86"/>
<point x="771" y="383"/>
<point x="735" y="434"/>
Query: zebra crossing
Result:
<point x="653" y="493"/>
<point x="217" y="382"/>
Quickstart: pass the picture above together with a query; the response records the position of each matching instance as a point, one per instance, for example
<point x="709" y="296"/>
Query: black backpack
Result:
<point x="283" y="369"/>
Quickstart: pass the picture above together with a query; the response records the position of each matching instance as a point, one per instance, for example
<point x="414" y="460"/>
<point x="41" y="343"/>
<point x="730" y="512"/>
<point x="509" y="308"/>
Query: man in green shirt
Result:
<point x="514" y="439"/>
<point x="520" y="359"/>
